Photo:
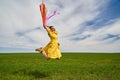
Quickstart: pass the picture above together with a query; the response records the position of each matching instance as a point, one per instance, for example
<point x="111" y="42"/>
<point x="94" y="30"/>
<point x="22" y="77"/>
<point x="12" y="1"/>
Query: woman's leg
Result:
<point x="45" y="55"/>
<point x="43" y="52"/>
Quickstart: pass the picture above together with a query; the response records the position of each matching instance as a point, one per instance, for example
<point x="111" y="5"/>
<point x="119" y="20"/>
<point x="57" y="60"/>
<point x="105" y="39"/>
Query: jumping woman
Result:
<point x="52" y="49"/>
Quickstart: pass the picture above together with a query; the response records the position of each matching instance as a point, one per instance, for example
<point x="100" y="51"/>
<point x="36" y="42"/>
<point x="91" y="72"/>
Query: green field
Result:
<point x="79" y="66"/>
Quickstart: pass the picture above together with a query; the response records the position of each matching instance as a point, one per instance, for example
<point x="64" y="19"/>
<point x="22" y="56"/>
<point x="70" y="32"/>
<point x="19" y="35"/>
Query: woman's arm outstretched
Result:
<point x="47" y="28"/>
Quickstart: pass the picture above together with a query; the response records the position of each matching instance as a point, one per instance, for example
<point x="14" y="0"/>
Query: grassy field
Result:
<point x="81" y="66"/>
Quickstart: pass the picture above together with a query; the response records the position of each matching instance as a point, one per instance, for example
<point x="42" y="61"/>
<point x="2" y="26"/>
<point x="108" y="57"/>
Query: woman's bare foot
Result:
<point x="58" y="58"/>
<point x="39" y="49"/>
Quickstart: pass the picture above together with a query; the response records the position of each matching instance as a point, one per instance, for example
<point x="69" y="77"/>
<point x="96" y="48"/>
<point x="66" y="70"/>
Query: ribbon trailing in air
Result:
<point x="43" y="10"/>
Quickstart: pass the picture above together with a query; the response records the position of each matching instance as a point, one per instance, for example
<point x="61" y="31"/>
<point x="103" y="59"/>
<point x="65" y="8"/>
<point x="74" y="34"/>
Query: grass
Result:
<point x="81" y="66"/>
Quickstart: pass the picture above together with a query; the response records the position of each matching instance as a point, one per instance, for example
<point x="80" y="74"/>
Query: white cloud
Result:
<point x="95" y="42"/>
<point x="23" y="16"/>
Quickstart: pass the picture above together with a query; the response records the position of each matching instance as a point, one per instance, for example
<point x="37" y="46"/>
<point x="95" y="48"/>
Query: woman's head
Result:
<point x="52" y="28"/>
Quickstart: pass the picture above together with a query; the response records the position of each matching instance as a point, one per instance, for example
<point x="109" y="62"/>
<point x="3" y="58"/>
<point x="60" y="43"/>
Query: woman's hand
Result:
<point x="58" y="44"/>
<point x="45" y="26"/>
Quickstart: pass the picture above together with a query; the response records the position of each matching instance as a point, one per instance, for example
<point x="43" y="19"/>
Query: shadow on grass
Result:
<point x="35" y="73"/>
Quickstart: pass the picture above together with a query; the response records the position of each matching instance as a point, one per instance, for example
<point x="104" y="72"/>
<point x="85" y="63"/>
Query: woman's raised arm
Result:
<point x="47" y="28"/>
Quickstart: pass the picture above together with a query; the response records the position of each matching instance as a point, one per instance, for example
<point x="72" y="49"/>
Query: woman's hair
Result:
<point x="51" y="26"/>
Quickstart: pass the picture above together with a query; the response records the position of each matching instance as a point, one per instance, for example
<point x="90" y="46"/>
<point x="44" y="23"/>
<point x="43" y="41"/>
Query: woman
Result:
<point x="52" y="49"/>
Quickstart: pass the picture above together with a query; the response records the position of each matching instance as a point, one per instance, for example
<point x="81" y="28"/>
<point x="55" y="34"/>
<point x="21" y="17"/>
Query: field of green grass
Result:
<point x="79" y="66"/>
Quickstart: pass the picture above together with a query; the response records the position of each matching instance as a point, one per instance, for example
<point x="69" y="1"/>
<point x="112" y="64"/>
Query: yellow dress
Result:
<point x="52" y="48"/>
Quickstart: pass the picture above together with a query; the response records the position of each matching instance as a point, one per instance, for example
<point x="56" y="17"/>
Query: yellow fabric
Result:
<point x="52" y="48"/>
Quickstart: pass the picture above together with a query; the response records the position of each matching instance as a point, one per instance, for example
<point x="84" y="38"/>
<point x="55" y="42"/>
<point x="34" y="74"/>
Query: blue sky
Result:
<point x="82" y="25"/>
